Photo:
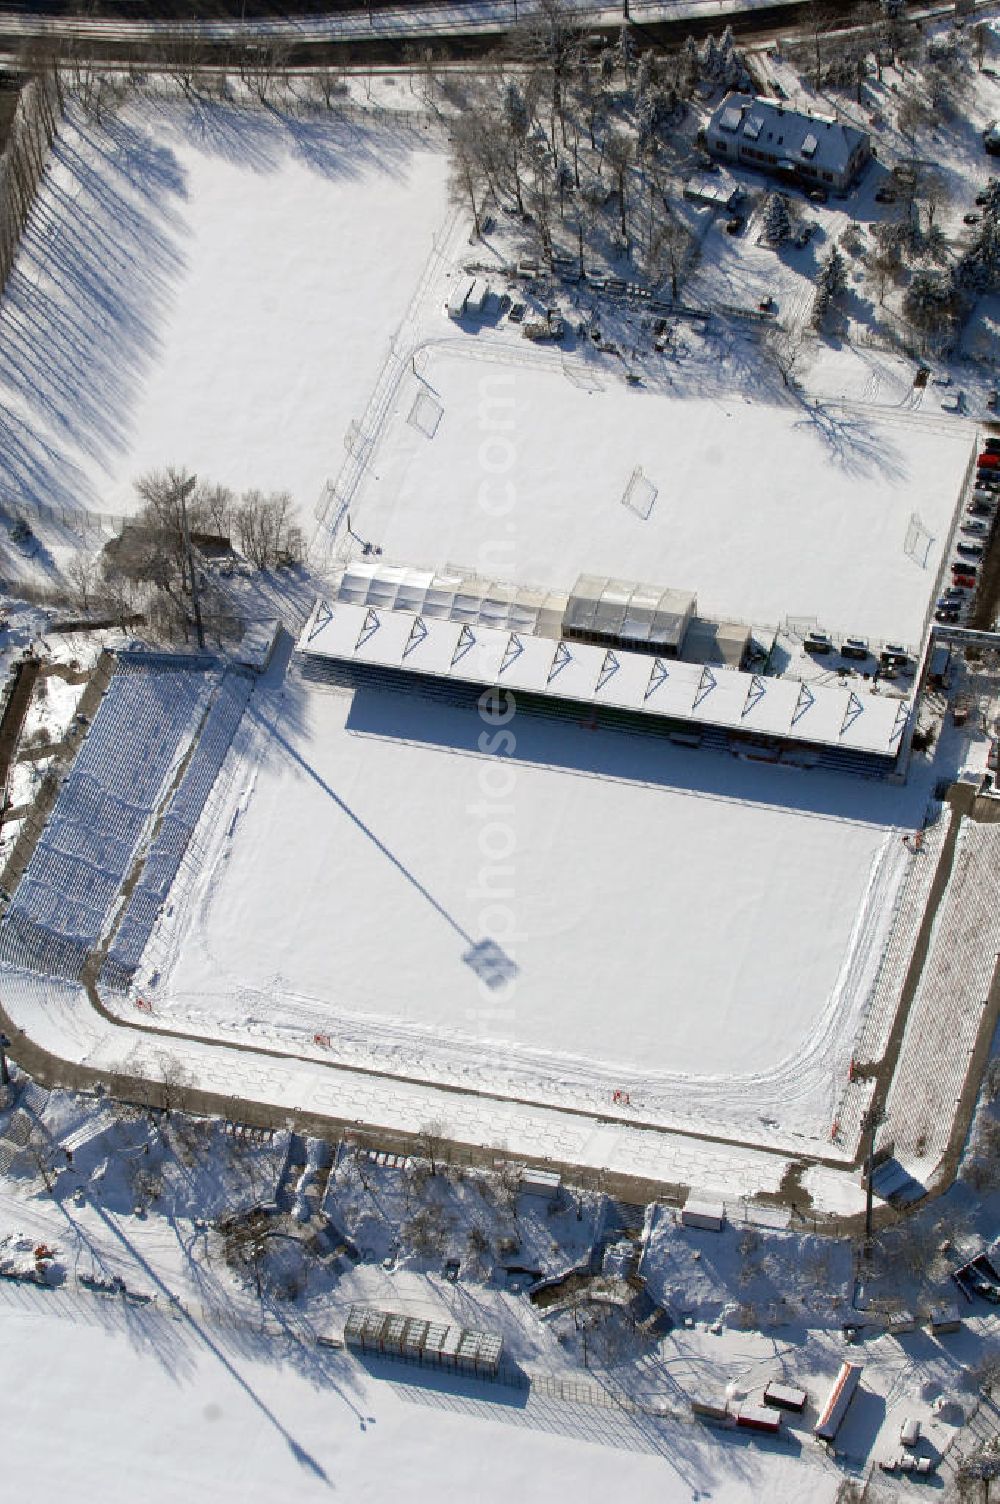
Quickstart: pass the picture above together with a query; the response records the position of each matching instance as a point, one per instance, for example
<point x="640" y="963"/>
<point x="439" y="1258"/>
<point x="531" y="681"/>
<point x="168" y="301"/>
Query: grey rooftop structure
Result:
<point x="816" y="150"/>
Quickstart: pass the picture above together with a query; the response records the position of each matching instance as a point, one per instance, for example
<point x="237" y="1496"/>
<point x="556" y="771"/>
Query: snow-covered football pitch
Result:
<point x="699" y="933"/>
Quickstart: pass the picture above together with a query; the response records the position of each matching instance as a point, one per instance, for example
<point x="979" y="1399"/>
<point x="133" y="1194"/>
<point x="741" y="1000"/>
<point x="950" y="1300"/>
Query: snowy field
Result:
<point x="762" y="508"/>
<point x="238" y="1416"/>
<point x="673" y="918"/>
<point x="235" y="277"/>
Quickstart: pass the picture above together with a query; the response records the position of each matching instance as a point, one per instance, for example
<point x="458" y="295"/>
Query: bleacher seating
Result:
<point x="141" y="731"/>
<point x="947" y="1009"/>
<point x="167" y="850"/>
<point x="880" y="1011"/>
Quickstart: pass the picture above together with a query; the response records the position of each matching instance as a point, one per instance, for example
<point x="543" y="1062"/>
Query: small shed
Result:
<point x="759" y="1418"/>
<point x="710" y="1215"/>
<point x="256" y="646"/>
<point x="478" y="297"/>
<point x="785" y="1397"/>
<point x="944" y="1318"/>
<point x="937" y="671"/>
<point x="712" y="1410"/>
<point x="540" y="1182"/>
<point x="460" y="295"/>
<point x="712" y="190"/>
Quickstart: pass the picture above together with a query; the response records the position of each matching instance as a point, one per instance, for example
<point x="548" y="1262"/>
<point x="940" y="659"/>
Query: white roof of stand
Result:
<point x="828" y="714"/>
<point x="454" y="594"/>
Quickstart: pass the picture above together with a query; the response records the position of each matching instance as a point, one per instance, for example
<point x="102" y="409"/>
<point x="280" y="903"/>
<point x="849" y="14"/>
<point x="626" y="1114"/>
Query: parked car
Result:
<point x="970" y="219"/>
<point x="895" y="655"/>
<point x="970" y="550"/>
<point x="977" y="527"/>
<point x="988" y="460"/>
<point x="818" y="195"/>
<point x="992" y="446"/>
<point x="949" y="618"/>
<point x="818" y="642"/>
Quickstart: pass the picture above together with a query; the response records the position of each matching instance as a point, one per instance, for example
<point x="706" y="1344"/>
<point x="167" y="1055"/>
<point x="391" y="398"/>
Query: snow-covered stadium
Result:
<point x="540" y="826"/>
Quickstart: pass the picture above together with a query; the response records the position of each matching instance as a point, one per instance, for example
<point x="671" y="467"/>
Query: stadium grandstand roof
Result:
<point x="834" y="715"/>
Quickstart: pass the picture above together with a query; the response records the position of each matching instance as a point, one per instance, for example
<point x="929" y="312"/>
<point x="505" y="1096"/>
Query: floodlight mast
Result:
<point x="872" y="1120"/>
<point x="183" y="492"/>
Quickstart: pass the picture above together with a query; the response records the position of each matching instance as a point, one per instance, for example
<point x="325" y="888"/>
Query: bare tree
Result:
<point x="265" y="528"/>
<point x="427" y="1230"/>
<point x="327" y="85"/>
<point x="618" y="155"/>
<point x="468" y="178"/>
<point x="432" y="1143"/>
<point x="175" y="1081"/>
<point x="550" y="40"/>
<point x="261" y="67"/>
<point x="669" y="250"/>
<point x="82" y="577"/>
<point x="784" y="346"/>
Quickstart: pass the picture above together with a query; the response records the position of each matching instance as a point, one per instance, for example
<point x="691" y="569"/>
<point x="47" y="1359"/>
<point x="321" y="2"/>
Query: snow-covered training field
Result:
<point x="762" y="507"/>
<point x="234" y="277"/>
<point x="697" y="931"/>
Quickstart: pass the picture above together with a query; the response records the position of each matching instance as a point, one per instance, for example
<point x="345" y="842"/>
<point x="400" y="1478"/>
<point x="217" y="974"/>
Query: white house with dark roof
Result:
<point x="816" y="150"/>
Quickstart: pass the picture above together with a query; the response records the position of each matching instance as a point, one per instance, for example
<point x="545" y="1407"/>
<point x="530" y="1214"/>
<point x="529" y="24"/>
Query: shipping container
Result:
<point x="759" y="1418"/>
<point x="785" y="1397"/>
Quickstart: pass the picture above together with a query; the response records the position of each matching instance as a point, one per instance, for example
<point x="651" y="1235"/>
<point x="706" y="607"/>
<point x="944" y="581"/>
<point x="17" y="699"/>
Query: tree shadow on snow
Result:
<point x="262" y="137"/>
<point x="83" y="306"/>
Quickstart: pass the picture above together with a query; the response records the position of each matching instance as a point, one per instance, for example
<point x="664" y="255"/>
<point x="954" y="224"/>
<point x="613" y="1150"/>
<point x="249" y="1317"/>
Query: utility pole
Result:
<point x="4" y="1071"/>
<point x="184" y="491"/>
<point x="873" y="1119"/>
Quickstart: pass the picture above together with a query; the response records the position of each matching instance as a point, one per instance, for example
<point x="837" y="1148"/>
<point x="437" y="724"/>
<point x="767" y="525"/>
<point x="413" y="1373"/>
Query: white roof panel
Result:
<point x="835" y="715"/>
